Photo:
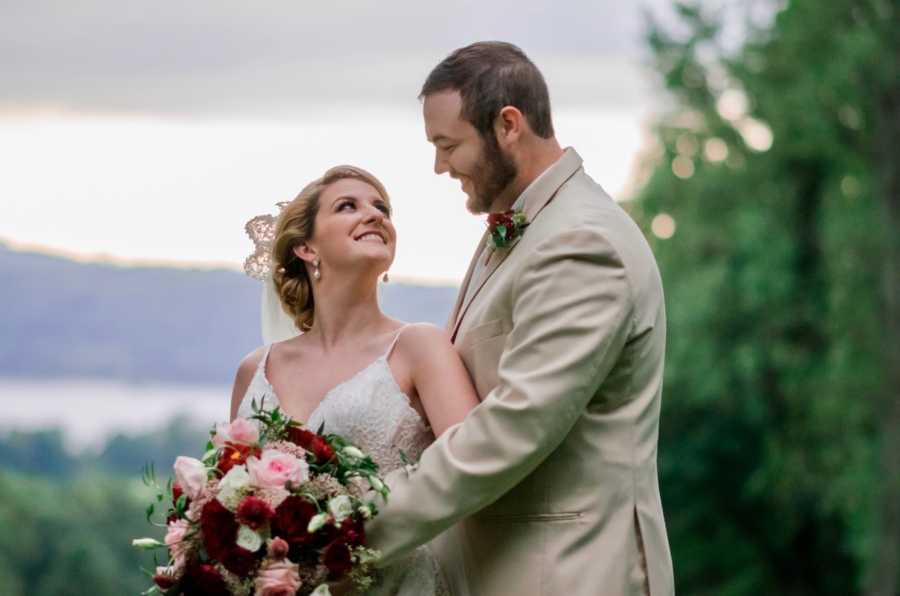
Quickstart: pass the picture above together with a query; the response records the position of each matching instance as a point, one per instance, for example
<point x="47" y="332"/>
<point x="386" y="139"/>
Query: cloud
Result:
<point x="230" y="57"/>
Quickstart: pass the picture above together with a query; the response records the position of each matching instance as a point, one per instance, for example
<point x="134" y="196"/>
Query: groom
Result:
<point x="563" y="331"/>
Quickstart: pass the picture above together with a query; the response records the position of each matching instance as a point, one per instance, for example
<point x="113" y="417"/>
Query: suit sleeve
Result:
<point x="571" y="317"/>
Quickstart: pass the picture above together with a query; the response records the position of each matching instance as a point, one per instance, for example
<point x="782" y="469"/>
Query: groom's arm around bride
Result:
<point x="563" y="332"/>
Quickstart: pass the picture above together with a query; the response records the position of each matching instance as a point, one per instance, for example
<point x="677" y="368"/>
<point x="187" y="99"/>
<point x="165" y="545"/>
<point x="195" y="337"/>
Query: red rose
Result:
<point x="239" y="561"/>
<point x="510" y="227"/>
<point x="337" y="559"/>
<point x="291" y="519"/>
<point x="236" y="454"/>
<point x="254" y="512"/>
<point x="323" y="451"/>
<point x="204" y="580"/>
<point x="500" y="219"/>
<point x="164" y="580"/>
<point x="301" y="436"/>
<point x="311" y="442"/>
<point x="353" y="531"/>
<point x="219" y="529"/>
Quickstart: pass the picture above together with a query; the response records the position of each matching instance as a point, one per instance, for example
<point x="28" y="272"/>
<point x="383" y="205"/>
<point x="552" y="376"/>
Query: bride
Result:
<point x="388" y="386"/>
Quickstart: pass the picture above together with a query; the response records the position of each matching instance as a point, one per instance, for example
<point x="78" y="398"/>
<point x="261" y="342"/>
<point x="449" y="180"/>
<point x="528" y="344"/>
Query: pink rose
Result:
<point x="278" y="578"/>
<point x="275" y="469"/>
<point x="190" y="474"/>
<point x="178" y="546"/>
<point x="240" y="431"/>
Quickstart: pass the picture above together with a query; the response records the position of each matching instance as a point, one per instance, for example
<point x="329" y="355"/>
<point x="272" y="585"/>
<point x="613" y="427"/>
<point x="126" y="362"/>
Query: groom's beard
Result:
<point x="493" y="175"/>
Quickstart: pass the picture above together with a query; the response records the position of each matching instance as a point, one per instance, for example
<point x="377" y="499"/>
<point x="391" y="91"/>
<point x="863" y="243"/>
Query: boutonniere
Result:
<point x="506" y="227"/>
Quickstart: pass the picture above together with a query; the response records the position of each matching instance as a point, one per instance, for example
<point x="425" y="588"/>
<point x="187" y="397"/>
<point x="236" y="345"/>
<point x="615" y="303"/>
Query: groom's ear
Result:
<point x="306" y="252"/>
<point x="509" y="125"/>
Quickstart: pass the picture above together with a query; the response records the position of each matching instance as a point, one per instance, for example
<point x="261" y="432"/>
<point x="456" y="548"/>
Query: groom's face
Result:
<point x="480" y="165"/>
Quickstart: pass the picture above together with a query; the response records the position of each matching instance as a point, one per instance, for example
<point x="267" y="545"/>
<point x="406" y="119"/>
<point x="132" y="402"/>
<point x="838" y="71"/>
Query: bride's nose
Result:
<point x="374" y="215"/>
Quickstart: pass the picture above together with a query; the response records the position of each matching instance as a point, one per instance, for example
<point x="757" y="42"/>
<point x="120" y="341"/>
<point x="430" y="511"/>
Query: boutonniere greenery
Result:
<point x="506" y="227"/>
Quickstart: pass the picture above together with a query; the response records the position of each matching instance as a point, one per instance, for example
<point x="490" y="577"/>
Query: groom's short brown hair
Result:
<point x="489" y="76"/>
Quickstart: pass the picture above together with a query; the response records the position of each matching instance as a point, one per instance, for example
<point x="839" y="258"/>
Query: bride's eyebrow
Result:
<point x="375" y="201"/>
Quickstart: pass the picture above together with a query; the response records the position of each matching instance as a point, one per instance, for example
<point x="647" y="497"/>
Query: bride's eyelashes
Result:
<point x="380" y="205"/>
<point x="383" y="207"/>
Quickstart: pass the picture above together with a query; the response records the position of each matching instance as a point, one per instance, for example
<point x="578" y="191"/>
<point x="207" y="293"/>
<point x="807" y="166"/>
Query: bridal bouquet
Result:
<point x="272" y="509"/>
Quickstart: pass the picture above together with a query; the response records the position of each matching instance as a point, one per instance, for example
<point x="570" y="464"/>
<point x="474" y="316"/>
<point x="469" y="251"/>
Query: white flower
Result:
<point x="248" y="538"/>
<point x="321" y="591"/>
<point x="146" y="543"/>
<point x="191" y="475"/>
<point x="341" y="507"/>
<point x="365" y="511"/>
<point x="376" y="483"/>
<point x="231" y="487"/>
<point x="317" y="522"/>
<point x="353" y="452"/>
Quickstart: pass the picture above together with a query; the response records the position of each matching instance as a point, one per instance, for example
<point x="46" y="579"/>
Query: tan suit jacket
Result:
<point x="554" y="474"/>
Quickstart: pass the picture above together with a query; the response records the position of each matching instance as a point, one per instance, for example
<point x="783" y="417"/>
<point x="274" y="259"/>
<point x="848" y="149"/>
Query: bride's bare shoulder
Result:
<point x="418" y="339"/>
<point x="246" y="370"/>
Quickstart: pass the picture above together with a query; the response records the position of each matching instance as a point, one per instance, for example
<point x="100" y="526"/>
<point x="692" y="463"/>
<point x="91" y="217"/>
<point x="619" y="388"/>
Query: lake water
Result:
<point x="89" y="411"/>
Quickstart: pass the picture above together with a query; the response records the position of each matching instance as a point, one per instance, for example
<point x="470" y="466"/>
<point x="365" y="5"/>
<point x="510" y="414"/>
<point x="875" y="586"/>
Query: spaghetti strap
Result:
<point x="390" y="350"/>
<point x="264" y="359"/>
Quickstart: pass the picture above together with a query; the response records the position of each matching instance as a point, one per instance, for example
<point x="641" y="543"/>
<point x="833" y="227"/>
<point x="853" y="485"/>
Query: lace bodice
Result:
<point x="372" y="412"/>
<point x="369" y="409"/>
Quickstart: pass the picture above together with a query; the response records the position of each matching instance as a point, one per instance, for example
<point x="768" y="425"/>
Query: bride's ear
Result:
<point x="305" y="252"/>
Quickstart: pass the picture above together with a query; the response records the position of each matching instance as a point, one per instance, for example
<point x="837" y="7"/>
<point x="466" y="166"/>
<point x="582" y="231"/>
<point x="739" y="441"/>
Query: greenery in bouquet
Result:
<point x="271" y="509"/>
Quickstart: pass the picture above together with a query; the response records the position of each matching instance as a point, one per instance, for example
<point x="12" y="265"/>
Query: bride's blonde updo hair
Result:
<point x="296" y="225"/>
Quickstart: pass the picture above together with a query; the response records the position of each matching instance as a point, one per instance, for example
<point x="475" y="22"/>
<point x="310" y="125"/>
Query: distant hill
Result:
<point x="62" y="318"/>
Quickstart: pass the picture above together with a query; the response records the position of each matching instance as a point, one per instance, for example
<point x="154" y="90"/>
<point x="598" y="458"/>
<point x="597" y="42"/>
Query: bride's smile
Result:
<point x="353" y="233"/>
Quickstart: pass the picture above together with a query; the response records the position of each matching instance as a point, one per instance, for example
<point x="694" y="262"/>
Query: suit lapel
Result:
<point x="495" y="259"/>
<point x="537" y="198"/>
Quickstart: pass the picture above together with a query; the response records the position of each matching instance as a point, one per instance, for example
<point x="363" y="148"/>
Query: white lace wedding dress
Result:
<point x="371" y="411"/>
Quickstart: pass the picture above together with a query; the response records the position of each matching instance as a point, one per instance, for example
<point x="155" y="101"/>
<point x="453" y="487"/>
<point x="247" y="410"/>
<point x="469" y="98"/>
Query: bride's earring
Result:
<point x="316" y="273"/>
<point x="385" y="279"/>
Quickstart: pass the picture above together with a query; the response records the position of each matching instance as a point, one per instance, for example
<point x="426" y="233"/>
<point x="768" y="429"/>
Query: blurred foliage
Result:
<point x="71" y="537"/>
<point x="45" y="453"/>
<point x="765" y="171"/>
<point x="70" y="518"/>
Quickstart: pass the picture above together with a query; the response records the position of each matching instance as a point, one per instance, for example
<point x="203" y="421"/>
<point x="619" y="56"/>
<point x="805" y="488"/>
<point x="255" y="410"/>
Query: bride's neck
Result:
<point x="346" y="311"/>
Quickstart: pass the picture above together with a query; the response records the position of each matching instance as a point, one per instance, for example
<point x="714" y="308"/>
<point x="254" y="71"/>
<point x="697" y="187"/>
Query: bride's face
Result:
<point x="353" y="228"/>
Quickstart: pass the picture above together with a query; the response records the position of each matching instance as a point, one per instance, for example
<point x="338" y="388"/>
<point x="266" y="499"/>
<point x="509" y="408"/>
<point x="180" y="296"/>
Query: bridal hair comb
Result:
<point x="261" y="230"/>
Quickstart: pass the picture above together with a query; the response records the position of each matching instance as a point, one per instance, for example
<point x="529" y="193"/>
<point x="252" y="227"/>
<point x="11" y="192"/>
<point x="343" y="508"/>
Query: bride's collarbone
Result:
<point x="302" y="378"/>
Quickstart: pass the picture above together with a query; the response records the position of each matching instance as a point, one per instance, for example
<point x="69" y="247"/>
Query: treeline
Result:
<point x="71" y="536"/>
<point x="773" y="204"/>
<point x="69" y="518"/>
<point x="44" y="453"/>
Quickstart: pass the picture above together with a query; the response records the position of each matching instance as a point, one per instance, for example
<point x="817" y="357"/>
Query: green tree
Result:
<point x="764" y="204"/>
<point x="72" y="537"/>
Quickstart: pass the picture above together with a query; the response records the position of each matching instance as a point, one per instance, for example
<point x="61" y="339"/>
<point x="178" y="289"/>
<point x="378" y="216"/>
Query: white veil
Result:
<point x="276" y="325"/>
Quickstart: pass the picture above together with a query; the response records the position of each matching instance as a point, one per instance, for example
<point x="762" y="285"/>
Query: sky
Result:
<point x="150" y="132"/>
